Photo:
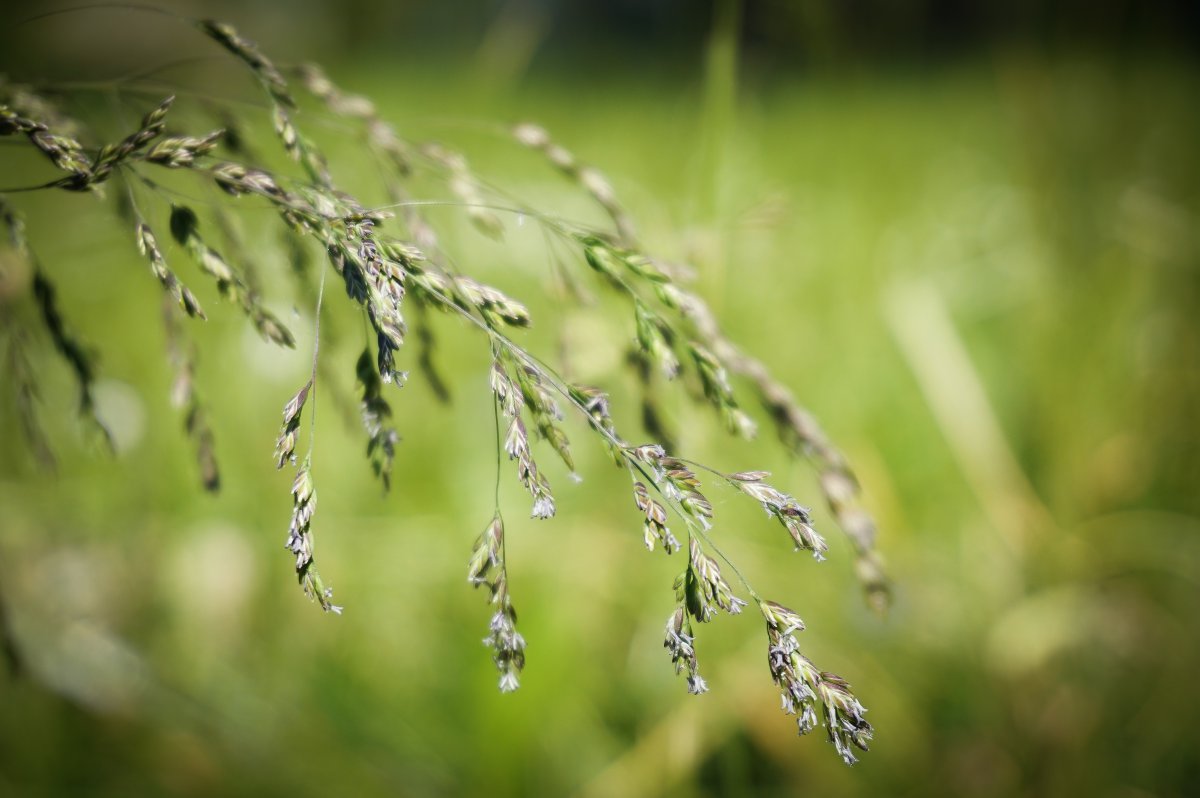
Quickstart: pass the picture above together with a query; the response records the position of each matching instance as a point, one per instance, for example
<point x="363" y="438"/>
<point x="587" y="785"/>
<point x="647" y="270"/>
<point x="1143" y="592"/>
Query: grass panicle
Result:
<point x="389" y="266"/>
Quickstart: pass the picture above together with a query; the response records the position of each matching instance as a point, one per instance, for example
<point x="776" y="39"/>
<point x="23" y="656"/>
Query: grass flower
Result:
<point x="390" y="265"/>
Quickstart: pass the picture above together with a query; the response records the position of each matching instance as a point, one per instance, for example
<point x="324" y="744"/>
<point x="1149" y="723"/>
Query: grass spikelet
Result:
<point x="376" y="412"/>
<point x="248" y="52"/>
<point x="590" y="179"/>
<point x="802" y="686"/>
<point x="63" y="151"/>
<point x="654" y="529"/>
<point x="148" y="246"/>
<point x="464" y="186"/>
<point x="381" y="136"/>
<point x="182" y="152"/>
<point x="73" y="352"/>
<point x="285" y="444"/>
<point x="794" y="518"/>
<point x="680" y="644"/>
<point x="112" y="155"/>
<point x="185" y="397"/>
<point x="704" y="588"/>
<point x="510" y="399"/>
<point x="185" y="229"/>
<point x="488" y="567"/>
<point x="300" y="541"/>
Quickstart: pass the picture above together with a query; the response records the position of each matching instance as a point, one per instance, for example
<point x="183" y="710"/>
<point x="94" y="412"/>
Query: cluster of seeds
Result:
<point x="148" y="246"/>
<point x="300" y="541"/>
<point x="382" y="437"/>
<point x="654" y="530"/>
<point x="487" y="567"/>
<point x="795" y="519"/>
<point x="63" y="151"/>
<point x="802" y="686"/>
<point x="510" y="400"/>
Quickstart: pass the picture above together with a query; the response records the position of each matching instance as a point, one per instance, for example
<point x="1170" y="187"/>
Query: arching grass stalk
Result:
<point x="387" y="266"/>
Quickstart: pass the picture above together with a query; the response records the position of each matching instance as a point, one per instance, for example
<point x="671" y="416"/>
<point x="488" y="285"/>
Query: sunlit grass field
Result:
<point x="982" y="278"/>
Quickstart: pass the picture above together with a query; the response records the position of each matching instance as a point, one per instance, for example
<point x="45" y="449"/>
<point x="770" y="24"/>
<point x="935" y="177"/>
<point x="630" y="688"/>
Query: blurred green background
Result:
<point x="966" y="235"/>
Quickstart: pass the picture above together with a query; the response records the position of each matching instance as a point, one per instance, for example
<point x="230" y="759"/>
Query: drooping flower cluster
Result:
<point x="487" y="567"/>
<point x="285" y="444"/>
<point x="802" y="686"/>
<point x="680" y="644"/>
<point x="705" y="589"/>
<point x="300" y="542"/>
<point x="780" y="505"/>
<point x="677" y="483"/>
<point x="654" y="529"/>
<point x="675" y="336"/>
<point x="510" y="398"/>
<point x="382" y="437"/>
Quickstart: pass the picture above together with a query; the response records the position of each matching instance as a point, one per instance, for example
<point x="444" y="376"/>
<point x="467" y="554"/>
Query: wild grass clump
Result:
<point x="393" y="267"/>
